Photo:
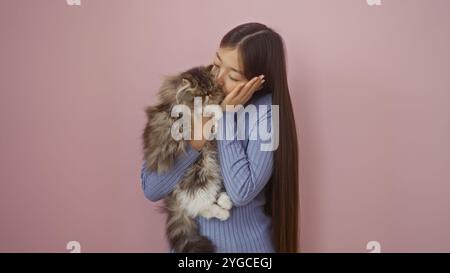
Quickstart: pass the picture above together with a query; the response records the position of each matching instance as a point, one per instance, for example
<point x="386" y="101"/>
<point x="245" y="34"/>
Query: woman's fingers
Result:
<point x="230" y="98"/>
<point x="243" y="92"/>
<point x="249" y="88"/>
<point x="239" y="88"/>
<point x="250" y="94"/>
<point x="246" y="89"/>
<point x="256" y="87"/>
<point x="256" y="84"/>
<point x="235" y="93"/>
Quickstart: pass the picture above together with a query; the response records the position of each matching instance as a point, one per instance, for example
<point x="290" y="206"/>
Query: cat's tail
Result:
<point x="184" y="234"/>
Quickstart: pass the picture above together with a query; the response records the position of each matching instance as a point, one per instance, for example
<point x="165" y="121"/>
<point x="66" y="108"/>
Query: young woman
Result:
<point x="250" y="66"/>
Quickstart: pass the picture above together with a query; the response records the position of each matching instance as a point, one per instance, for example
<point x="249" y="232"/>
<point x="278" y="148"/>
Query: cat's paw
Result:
<point x="215" y="211"/>
<point x="224" y="201"/>
<point x="222" y="215"/>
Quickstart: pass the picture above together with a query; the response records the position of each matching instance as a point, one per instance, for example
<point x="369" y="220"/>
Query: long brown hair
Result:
<point x="262" y="51"/>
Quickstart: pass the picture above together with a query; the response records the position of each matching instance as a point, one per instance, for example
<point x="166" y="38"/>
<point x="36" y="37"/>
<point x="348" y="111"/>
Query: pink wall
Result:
<point x="371" y="90"/>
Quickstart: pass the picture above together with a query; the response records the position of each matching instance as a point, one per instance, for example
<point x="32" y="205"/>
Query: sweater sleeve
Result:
<point x="157" y="186"/>
<point x="245" y="170"/>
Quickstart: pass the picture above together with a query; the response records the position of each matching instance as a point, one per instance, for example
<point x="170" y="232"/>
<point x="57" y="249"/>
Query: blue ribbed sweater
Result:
<point x="246" y="170"/>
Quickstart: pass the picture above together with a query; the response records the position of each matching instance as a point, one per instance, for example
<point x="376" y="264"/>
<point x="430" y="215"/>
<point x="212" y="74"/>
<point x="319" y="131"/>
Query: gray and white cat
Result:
<point x="200" y="191"/>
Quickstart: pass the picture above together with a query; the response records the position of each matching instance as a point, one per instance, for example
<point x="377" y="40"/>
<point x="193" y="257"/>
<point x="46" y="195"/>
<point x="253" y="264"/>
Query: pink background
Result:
<point x="370" y="87"/>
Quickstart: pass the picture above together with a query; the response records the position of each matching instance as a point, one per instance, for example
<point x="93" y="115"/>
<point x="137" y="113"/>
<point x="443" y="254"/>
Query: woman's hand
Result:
<point x="239" y="96"/>
<point x="242" y="92"/>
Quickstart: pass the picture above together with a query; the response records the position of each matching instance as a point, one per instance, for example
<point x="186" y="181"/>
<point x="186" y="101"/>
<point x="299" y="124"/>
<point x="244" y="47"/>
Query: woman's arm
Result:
<point x="245" y="170"/>
<point x="157" y="186"/>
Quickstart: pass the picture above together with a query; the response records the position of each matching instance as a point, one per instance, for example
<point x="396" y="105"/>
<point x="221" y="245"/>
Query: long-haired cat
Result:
<point x="200" y="191"/>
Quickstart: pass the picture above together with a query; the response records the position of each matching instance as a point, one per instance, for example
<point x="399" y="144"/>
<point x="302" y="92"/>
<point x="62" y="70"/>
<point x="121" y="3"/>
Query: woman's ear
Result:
<point x="184" y="93"/>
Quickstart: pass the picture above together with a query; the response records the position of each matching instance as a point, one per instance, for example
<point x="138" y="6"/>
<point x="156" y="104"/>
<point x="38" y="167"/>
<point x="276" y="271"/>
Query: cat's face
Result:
<point x="199" y="82"/>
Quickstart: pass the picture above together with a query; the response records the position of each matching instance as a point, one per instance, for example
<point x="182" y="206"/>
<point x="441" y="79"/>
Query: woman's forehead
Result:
<point x="230" y="59"/>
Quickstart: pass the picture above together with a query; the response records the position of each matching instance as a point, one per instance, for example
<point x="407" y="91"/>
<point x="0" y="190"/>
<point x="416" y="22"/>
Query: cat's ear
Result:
<point x="184" y="93"/>
<point x="212" y="69"/>
<point x="209" y="67"/>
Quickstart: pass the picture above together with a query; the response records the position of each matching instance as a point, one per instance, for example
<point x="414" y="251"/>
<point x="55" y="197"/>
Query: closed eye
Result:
<point x="231" y="78"/>
<point x="216" y="65"/>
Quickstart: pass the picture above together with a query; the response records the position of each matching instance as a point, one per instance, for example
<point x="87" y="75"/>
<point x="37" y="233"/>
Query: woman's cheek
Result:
<point x="229" y="86"/>
<point x="226" y="88"/>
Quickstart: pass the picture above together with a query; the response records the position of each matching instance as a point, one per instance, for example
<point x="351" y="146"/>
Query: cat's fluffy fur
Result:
<point x="200" y="191"/>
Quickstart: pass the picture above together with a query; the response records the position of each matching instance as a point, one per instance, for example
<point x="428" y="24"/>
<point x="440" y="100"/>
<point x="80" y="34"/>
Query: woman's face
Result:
<point x="227" y="69"/>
